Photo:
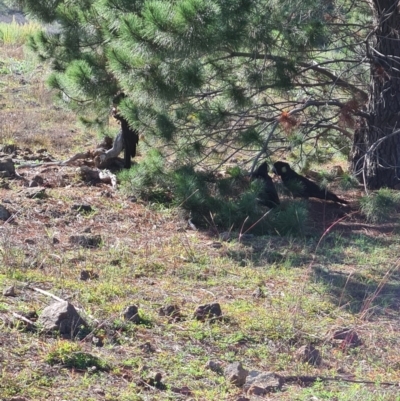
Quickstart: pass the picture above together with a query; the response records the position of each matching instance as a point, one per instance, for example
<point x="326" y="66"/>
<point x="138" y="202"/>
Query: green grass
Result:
<point x="14" y="34"/>
<point x="381" y="205"/>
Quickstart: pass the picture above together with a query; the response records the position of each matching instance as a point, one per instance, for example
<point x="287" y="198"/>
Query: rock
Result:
<point x="147" y="347"/>
<point x="82" y="208"/>
<point x="99" y="391"/>
<point x="32" y="184"/>
<point x="348" y="336"/>
<point x="88" y="275"/>
<point x="185" y="390"/>
<point x="156" y="381"/>
<point x="62" y="317"/>
<point x="4" y="184"/>
<point x="9" y="292"/>
<point x="214" y="366"/>
<point x="6" y="164"/>
<point x="9" y="148"/>
<point x="236" y="374"/>
<point x="131" y="314"/>
<point x="39" y="179"/>
<point x="97" y="341"/>
<point x="31" y="315"/>
<point x="171" y="311"/>
<point x="18" y="398"/>
<point x="208" y="311"/>
<point x="337" y="171"/>
<point x="309" y="354"/>
<point x="261" y="383"/>
<point x="4" y="213"/>
<point x="225" y="236"/>
<point x="86" y="241"/>
<point x="258" y="293"/>
<point x="35" y="193"/>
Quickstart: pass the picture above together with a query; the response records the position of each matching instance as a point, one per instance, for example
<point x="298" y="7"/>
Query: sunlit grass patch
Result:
<point x="16" y="34"/>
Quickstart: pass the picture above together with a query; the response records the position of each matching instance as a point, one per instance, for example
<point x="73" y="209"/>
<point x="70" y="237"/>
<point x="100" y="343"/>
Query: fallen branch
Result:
<point x="313" y="379"/>
<point x="24" y="319"/>
<point x="49" y="294"/>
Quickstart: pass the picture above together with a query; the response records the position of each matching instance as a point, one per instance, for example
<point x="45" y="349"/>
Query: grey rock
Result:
<point x="86" y="241"/>
<point x="4" y="184"/>
<point x="131" y="314"/>
<point x="236" y="374"/>
<point x="171" y="311"/>
<point x="82" y="208"/>
<point x="62" y="317"/>
<point x="214" y="366"/>
<point x="208" y="311"/>
<point x="258" y="293"/>
<point x="348" y="337"/>
<point x="35" y="193"/>
<point x="7" y="164"/>
<point x="88" y="275"/>
<point x="99" y="391"/>
<point x="39" y="179"/>
<point x="261" y="383"/>
<point x="9" y="148"/>
<point x="225" y="236"/>
<point x="9" y="292"/>
<point x="32" y="184"/>
<point x="4" y="213"/>
<point x="309" y="354"/>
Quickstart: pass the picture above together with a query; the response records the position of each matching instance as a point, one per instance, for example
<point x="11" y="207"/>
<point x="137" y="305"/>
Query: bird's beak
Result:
<point x="274" y="171"/>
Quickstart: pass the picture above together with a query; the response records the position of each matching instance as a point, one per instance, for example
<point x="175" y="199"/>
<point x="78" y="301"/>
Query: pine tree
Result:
<point x="216" y="78"/>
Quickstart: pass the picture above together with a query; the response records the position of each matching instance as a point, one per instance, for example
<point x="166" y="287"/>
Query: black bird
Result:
<point x="268" y="197"/>
<point x="129" y="136"/>
<point x="131" y="139"/>
<point x="301" y="186"/>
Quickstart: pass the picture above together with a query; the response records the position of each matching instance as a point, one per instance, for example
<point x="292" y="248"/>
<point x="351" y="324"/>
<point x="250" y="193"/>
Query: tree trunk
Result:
<point x="376" y="151"/>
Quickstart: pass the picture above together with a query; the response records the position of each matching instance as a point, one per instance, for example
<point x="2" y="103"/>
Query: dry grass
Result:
<point x="150" y="258"/>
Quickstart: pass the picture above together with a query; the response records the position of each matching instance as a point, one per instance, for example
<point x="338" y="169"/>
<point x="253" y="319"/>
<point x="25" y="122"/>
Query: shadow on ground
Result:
<point x="358" y="293"/>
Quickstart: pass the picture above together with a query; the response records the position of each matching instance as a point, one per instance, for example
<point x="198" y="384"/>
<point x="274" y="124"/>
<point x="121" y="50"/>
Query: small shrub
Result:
<point x="289" y="218"/>
<point x="347" y="181"/>
<point x="70" y="355"/>
<point x="380" y="206"/>
<point x="147" y="179"/>
<point x="209" y="201"/>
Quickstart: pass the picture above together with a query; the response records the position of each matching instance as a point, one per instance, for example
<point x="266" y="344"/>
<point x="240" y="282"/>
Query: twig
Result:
<point x="24" y="319"/>
<point x="49" y="294"/>
<point x="57" y="163"/>
<point x="312" y="379"/>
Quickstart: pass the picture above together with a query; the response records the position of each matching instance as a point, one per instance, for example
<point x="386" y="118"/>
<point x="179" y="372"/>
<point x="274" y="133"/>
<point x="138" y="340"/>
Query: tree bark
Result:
<point x="376" y="151"/>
